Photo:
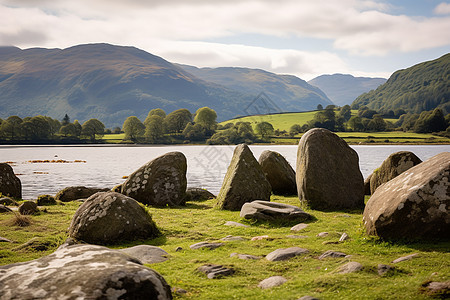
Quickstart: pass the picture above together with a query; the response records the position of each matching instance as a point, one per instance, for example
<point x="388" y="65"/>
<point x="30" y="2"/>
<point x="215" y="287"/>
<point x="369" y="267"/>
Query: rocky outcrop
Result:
<point x="278" y="172"/>
<point x="43" y="200"/>
<point x="244" y="181"/>
<point x="10" y="184"/>
<point x="328" y="175"/>
<point x="82" y="272"/>
<point x="160" y="182"/>
<point x="198" y="194"/>
<point x="108" y="217"/>
<point x="393" y="166"/>
<point x="73" y="193"/>
<point x="272" y="211"/>
<point x="414" y="204"/>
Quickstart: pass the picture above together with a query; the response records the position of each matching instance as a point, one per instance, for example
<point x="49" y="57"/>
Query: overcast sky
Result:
<point x="306" y="38"/>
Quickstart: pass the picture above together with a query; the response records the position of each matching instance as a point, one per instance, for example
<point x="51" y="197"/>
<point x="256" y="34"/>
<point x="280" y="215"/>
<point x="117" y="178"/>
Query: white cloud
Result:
<point x="442" y="9"/>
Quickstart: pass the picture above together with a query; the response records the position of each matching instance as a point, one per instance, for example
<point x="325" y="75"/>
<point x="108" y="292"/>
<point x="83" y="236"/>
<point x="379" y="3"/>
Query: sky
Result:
<point x="306" y="38"/>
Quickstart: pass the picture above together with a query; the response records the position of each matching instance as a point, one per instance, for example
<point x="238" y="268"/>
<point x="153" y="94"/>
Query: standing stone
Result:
<point x="414" y="204"/>
<point x="244" y="182"/>
<point x="82" y="272"/>
<point x="9" y="183"/>
<point x="393" y="166"/>
<point x="73" y="193"/>
<point x="160" y="182"/>
<point x="328" y="175"/>
<point x="278" y="172"/>
<point x="367" y="185"/>
<point x="108" y="217"/>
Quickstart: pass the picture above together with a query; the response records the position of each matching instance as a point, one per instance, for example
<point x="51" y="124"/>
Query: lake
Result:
<point x="105" y="165"/>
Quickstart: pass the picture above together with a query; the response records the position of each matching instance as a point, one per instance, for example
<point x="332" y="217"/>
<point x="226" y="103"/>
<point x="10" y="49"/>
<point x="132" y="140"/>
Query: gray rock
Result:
<point x="245" y="256"/>
<point x="160" y="182"/>
<point x="393" y="166"/>
<point x="8" y="201"/>
<point x="108" y="217"/>
<point x="179" y="290"/>
<point x="405" y="258"/>
<point x="198" y="194"/>
<point x="328" y="175"/>
<point x="286" y="253"/>
<point x="308" y="298"/>
<point x="10" y="184"/>
<point x="215" y="271"/>
<point x="5" y="240"/>
<point x="243" y="182"/>
<point x="297" y="236"/>
<point x="332" y="254"/>
<point x="272" y="282"/>
<point x="43" y="200"/>
<point x="230" y="238"/>
<point x="261" y="237"/>
<point x="28" y="208"/>
<point x="272" y="211"/>
<point x="344" y="237"/>
<point x="73" y="193"/>
<point x="323" y="234"/>
<point x="384" y="269"/>
<point x="367" y="185"/>
<point x="82" y="272"/>
<point x="235" y="224"/>
<point x="414" y="204"/>
<point x="350" y="267"/>
<point x="278" y="172"/>
<point x="4" y="209"/>
<point x="299" y="227"/>
<point x="436" y="288"/>
<point x="147" y="254"/>
<point x="207" y="245"/>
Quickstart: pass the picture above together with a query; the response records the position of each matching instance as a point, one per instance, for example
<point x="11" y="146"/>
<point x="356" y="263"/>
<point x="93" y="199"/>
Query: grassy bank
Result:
<point x="306" y="275"/>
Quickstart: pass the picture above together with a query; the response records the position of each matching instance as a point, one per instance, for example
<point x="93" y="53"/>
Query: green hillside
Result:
<point x="422" y="87"/>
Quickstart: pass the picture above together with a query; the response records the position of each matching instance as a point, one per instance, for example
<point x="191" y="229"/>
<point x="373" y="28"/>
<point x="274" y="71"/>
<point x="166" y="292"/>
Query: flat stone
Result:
<point x="285" y="253"/>
<point x="245" y="256"/>
<point x="179" y="290"/>
<point x="343" y="237"/>
<point x="323" y="234"/>
<point x="308" y="298"/>
<point x="350" y="267"/>
<point x="147" y="254"/>
<point x="261" y="237"/>
<point x="272" y="282"/>
<point x="210" y="246"/>
<point x="437" y="288"/>
<point x="272" y="211"/>
<point x="333" y="254"/>
<point x="293" y="236"/>
<point x="384" y="269"/>
<point x="299" y="227"/>
<point x="404" y="258"/>
<point x="230" y="238"/>
<point x="5" y="240"/>
<point x="232" y="223"/>
<point x="215" y="271"/>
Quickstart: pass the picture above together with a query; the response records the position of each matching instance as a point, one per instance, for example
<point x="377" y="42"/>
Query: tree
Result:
<point x="206" y="117"/>
<point x="65" y="120"/>
<point x="157" y="112"/>
<point x="154" y="128"/>
<point x="431" y="121"/>
<point x="324" y="119"/>
<point x="133" y="128"/>
<point x="194" y="132"/>
<point x="355" y="124"/>
<point x="265" y="129"/>
<point x="346" y="112"/>
<point x="78" y="127"/>
<point x="177" y="120"/>
<point x="68" y="130"/>
<point x="377" y="123"/>
<point x="117" y="130"/>
<point x="319" y="107"/>
<point x="295" y="129"/>
<point x="10" y="127"/>
<point x="91" y="128"/>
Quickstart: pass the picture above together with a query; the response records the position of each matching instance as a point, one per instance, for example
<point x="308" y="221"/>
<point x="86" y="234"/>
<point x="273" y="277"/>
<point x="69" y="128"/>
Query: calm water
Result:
<point x="106" y="165"/>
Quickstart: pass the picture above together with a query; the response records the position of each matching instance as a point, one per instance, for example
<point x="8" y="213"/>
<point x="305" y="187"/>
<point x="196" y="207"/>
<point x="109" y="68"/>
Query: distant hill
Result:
<point x="105" y="82"/>
<point x="288" y="92"/>
<point x="424" y="86"/>
<point x="113" y="82"/>
<point x="343" y="89"/>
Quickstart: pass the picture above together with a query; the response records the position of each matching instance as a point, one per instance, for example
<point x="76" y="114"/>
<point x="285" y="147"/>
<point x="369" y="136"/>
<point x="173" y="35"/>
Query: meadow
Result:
<point x="307" y="275"/>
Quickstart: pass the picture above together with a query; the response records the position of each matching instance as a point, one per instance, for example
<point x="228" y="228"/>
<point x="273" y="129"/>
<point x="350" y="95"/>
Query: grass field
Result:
<point x="307" y="275"/>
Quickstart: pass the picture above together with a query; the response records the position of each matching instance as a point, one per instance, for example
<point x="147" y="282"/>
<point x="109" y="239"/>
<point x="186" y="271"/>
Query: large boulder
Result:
<point x="272" y="211"/>
<point x="278" y="172"/>
<point x="108" y="217"/>
<point x="198" y="194"/>
<point x="160" y="182"/>
<point x="244" y="182"/>
<point x="328" y="175"/>
<point x="73" y="193"/>
<point x="394" y="165"/>
<point x="28" y="208"/>
<point x="414" y="204"/>
<point x="82" y="272"/>
<point x="10" y="184"/>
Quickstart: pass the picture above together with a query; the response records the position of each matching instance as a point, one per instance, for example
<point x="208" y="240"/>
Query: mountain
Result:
<point x="424" y="86"/>
<point x="343" y="89"/>
<point x="288" y="92"/>
<point x="113" y="82"/>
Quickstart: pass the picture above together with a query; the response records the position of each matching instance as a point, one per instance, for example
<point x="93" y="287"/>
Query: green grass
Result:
<point x="306" y="275"/>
